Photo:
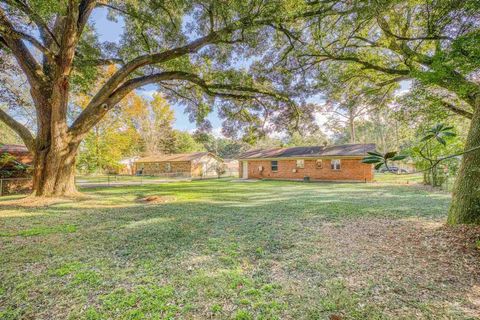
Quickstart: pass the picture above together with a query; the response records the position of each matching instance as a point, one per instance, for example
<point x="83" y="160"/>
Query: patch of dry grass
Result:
<point x="404" y="264"/>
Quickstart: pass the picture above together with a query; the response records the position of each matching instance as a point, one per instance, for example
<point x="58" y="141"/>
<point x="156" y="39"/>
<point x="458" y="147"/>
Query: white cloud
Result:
<point x="217" y="132"/>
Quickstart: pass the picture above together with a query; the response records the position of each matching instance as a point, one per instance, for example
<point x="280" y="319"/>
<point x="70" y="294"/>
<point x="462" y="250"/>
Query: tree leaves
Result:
<point x="380" y="160"/>
<point x="440" y="132"/>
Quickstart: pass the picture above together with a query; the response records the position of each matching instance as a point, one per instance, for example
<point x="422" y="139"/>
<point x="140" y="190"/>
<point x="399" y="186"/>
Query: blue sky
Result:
<point x="112" y="31"/>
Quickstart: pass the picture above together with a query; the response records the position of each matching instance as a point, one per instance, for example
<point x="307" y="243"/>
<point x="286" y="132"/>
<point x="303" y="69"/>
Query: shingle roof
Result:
<point x="12" y="148"/>
<point x="19" y="151"/>
<point x="345" y="150"/>
<point x="174" y="157"/>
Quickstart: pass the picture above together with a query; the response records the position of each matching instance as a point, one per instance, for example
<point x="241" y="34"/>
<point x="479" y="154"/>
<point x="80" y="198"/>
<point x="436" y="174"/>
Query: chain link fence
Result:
<point x="11" y="186"/>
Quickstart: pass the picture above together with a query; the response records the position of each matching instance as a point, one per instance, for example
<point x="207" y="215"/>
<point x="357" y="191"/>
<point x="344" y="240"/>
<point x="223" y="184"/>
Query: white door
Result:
<point x="245" y="170"/>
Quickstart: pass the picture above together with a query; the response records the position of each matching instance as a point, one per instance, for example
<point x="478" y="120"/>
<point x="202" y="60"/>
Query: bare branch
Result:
<point x="41" y="24"/>
<point x="19" y="128"/>
<point x="37" y="44"/>
<point x="24" y="57"/>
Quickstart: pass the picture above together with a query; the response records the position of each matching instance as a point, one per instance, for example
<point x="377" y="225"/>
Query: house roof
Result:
<point x="345" y="150"/>
<point x="175" y="157"/>
<point x="13" y="148"/>
<point x="20" y="152"/>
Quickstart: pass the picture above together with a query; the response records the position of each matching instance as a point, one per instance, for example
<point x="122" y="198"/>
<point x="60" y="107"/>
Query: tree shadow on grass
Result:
<point x="218" y="240"/>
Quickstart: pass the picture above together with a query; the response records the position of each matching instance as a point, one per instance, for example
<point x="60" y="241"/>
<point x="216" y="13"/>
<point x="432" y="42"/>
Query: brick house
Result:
<point x="15" y="164"/>
<point x="195" y="165"/>
<point x="14" y="160"/>
<point x="329" y="163"/>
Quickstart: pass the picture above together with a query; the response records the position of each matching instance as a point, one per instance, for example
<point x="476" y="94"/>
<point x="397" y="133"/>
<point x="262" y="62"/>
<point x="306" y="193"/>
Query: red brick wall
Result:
<point x="160" y="167"/>
<point x="351" y="169"/>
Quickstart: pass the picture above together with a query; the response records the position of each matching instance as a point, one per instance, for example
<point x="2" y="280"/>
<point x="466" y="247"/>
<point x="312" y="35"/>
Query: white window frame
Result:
<point x="319" y="163"/>
<point x="271" y="165"/>
<point x="301" y="162"/>
<point x="336" y="164"/>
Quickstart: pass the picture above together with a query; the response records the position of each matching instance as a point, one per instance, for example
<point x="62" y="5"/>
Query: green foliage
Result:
<point x="317" y="138"/>
<point x="105" y="146"/>
<point x="154" y="120"/>
<point x="440" y="131"/>
<point x="220" y="169"/>
<point x="10" y="166"/>
<point x="432" y="151"/>
<point x="380" y="160"/>
<point x="185" y="143"/>
<point x="8" y="136"/>
<point x="369" y="47"/>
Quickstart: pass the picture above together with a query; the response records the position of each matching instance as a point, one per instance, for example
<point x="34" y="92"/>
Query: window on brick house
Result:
<point x="319" y="164"/>
<point x="300" y="164"/>
<point x="168" y="167"/>
<point x="335" y="164"/>
<point x="274" y="165"/>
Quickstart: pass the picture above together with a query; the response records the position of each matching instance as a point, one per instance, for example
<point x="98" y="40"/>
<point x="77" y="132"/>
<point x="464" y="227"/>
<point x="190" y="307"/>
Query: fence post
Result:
<point x="1" y="187"/>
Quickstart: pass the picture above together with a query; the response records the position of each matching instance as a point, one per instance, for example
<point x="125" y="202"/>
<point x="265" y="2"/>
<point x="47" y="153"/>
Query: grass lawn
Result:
<point x="388" y="177"/>
<point x="239" y="250"/>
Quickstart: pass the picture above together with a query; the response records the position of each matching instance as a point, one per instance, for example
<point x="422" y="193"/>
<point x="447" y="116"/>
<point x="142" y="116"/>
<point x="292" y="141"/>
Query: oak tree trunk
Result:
<point x="353" y="136"/>
<point x="465" y="207"/>
<point x="54" y="171"/>
<point x="55" y="148"/>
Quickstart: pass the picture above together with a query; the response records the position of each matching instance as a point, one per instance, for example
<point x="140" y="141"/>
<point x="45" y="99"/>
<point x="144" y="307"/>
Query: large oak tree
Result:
<point x="186" y="47"/>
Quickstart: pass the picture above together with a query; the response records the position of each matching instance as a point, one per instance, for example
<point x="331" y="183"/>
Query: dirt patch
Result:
<point x="155" y="199"/>
<point x="39" y="202"/>
<point x="398" y="263"/>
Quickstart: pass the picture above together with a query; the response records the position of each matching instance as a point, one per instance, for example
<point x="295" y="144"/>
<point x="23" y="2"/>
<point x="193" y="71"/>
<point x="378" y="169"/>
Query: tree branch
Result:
<point x="84" y="10"/>
<point x="366" y="64"/>
<point x="144" y="60"/>
<point x="37" y="44"/>
<point x="24" y="57"/>
<point x="160" y="57"/>
<point x="41" y="24"/>
<point x="459" y="111"/>
<point x="104" y="61"/>
<point x="93" y="113"/>
<point x="19" y="128"/>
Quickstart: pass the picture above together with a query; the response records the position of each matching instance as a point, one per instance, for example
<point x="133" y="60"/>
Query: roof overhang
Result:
<point x="305" y="158"/>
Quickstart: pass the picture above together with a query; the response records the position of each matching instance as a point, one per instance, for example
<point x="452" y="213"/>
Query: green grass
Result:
<point x="104" y="179"/>
<point x="230" y="250"/>
<point x="389" y="177"/>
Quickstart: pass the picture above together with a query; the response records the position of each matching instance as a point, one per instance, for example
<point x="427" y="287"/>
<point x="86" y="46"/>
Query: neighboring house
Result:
<point x="231" y="167"/>
<point x="195" y="165"/>
<point x="323" y="163"/>
<point x="127" y="166"/>
<point x="14" y="160"/>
